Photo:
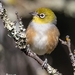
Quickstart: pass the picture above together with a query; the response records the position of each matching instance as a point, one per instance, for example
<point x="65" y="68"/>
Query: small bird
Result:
<point x="42" y="34"/>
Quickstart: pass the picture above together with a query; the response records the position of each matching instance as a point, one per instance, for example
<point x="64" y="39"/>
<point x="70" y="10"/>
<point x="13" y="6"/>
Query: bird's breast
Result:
<point x="42" y="39"/>
<point x="39" y="43"/>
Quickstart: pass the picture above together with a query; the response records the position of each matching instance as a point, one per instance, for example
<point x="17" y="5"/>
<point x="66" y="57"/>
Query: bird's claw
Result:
<point x="44" y="65"/>
<point x="29" y="52"/>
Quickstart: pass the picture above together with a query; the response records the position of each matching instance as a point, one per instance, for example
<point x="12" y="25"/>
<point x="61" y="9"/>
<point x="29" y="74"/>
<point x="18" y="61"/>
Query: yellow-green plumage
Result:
<point x="49" y="16"/>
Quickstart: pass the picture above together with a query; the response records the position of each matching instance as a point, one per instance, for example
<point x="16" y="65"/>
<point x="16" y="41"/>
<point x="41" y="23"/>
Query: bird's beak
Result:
<point x="33" y="13"/>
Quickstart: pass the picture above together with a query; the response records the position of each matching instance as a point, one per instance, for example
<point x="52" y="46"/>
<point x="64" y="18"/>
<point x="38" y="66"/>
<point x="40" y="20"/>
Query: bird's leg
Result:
<point x="45" y="64"/>
<point x="28" y="51"/>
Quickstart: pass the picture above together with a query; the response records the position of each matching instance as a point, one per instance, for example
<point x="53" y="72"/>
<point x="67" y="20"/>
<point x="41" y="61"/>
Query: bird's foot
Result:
<point x="30" y="52"/>
<point x="45" y="64"/>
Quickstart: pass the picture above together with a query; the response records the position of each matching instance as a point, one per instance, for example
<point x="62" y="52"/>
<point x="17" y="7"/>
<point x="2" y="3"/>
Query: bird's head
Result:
<point x="43" y="15"/>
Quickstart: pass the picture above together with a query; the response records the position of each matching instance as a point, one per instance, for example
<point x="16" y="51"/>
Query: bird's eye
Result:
<point x="42" y="15"/>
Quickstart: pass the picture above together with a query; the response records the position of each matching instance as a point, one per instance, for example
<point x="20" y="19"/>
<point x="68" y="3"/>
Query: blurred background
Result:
<point x="15" y="62"/>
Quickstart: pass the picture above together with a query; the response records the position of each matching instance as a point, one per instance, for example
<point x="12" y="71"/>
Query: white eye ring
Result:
<point x="42" y="15"/>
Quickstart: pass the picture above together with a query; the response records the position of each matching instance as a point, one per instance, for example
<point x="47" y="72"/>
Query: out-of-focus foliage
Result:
<point x="23" y="7"/>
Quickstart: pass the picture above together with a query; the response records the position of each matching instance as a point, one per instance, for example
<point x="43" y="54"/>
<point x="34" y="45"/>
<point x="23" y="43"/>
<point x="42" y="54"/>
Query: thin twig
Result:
<point x="72" y="56"/>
